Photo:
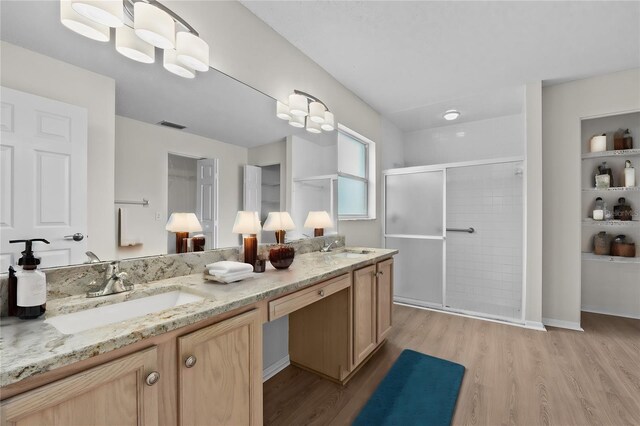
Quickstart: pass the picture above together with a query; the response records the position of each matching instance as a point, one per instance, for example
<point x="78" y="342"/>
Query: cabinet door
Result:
<point x="364" y="313"/>
<point x="120" y="392"/>
<point x="221" y="373"/>
<point x="384" y="298"/>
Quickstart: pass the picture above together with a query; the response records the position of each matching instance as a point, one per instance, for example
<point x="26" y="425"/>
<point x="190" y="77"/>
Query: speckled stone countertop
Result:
<point x="30" y="347"/>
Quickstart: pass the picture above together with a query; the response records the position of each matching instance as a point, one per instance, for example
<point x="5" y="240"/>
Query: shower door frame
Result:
<point x="443" y="168"/>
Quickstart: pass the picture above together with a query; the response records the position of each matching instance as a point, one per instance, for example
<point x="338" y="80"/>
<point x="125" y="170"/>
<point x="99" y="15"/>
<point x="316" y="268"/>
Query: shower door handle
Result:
<point x="468" y="230"/>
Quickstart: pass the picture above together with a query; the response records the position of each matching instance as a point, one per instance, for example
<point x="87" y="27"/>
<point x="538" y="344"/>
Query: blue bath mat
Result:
<point x="418" y="390"/>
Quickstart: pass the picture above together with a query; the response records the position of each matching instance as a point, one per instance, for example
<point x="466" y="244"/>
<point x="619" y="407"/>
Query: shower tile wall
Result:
<point x="484" y="269"/>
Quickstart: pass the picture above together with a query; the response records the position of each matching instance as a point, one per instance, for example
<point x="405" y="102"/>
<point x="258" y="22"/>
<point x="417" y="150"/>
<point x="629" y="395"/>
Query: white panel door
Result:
<point x="253" y="191"/>
<point x="207" y="200"/>
<point x="43" y="160"/>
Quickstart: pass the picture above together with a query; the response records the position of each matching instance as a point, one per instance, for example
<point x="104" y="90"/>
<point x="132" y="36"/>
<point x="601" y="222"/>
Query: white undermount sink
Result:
<point x="110" y="314"/>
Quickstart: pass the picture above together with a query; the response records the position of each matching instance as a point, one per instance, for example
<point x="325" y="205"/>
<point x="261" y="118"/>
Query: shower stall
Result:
<point x="460" y="231"/>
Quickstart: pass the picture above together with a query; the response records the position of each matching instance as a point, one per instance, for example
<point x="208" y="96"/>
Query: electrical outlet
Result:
<point x="158" y="215"/>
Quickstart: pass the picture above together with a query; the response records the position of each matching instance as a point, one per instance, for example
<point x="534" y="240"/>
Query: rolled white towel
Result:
<point x="228" y="267"/>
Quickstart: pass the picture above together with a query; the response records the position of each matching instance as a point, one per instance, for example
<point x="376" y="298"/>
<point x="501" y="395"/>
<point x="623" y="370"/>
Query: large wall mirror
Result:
<point x="92" y="160"/>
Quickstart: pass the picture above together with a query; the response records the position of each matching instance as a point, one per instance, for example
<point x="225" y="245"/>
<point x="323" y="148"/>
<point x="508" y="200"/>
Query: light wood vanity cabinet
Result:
<point x="123" y="392"/>
<point x="221" y="373"/>
<point x="364" y="313"/>
<point x="384" y="302"/>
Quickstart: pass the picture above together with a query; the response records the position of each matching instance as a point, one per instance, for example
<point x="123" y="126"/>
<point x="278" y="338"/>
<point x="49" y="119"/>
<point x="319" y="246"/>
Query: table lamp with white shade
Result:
<point x="281" y="256"/>
<point x="248" y="224"/>
<point x="182" y="224"/>
<point x="318" y="220"/>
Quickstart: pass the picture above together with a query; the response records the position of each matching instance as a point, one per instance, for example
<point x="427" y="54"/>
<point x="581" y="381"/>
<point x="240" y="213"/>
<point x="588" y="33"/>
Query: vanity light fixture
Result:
<point x="451" y="115"/>
<point x="141" y="26"/>
<point x="305" y="110"/>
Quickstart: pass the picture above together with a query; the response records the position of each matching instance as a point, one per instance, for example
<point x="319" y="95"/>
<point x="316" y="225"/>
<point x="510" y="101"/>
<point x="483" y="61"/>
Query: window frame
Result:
<point x="369" y="179"/>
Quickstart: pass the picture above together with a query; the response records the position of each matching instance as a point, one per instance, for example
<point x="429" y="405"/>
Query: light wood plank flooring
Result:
<point x="514" y="376"/>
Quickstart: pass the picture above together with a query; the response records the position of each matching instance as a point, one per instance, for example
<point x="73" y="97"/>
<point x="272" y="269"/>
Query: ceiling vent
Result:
<point x="172" y="125"/>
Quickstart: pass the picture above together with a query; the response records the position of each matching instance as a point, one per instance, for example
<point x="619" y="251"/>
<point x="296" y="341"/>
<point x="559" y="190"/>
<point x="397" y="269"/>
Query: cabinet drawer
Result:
<point x="294" y="301"/>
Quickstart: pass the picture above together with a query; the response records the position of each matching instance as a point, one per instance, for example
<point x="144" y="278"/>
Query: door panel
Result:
<point x="384" y="299"/>
<point x="413" y="204"/>
<point x="207" y="200"/>
<point x="364" y="313"/>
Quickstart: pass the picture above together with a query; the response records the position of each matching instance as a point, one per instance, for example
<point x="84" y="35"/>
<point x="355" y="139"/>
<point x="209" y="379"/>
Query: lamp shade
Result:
<point x="313" y="127"/>
<point x="318" y="219"/>
<point x="192" y="51"/>
<point x="171" y="64"/>
<point x="329" y="122"/>
<point x="279" y="221"/>
<point x="183" y="222"/>
<point x="154" y="25"/>
<point x="298" y="105"/>
<point x="105" y="12"/>
<point x="297" y="121"/>
<point x="282" y="111"/>
<point x="316" y="112"/>
<point x="130" y="45"/>
<point x="246" y="223"/>
<point x="81" y="25"/>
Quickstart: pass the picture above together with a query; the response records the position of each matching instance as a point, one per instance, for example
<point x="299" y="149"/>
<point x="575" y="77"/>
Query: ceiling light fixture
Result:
<point x="141" y="26"/>
<point x="451" y="115"/>
<point x="305" y="110"/>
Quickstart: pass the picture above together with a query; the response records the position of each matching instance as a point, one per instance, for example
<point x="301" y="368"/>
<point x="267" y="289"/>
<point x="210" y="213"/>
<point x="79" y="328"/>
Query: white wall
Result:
<point x="31" y="72"/>
<point x="563" y="106"/>
<point x="141" y="155"/>
<point x="476" y="140"/>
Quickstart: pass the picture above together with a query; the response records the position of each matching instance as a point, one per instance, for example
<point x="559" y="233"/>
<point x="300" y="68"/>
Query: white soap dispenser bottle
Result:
<point x="31" y="286"/>
<point x="629" y="175"/>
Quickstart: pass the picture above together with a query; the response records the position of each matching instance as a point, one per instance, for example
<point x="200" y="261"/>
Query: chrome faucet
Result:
<point x="92" y="257"/>
<point x="113" y="282"/>
<point x="327" y="248"/>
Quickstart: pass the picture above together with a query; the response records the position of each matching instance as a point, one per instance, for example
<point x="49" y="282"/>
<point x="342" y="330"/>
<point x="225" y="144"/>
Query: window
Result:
<point x="356" y="176"/>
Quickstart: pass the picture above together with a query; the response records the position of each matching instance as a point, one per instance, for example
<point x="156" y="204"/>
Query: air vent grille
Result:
<point x="172" y="125"/>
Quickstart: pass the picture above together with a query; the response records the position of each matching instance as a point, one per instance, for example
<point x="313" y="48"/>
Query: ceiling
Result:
<point x="212" y="105"/>
<point x="413" y="60"/>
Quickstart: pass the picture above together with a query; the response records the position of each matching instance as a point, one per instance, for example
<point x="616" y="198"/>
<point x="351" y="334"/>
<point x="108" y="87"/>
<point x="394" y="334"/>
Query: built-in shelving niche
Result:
<point x="610" y="284"/>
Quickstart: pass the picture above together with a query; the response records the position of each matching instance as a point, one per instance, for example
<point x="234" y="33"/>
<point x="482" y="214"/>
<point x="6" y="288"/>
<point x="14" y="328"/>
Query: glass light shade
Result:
<point x="318" y="219"/>
<point x="246" y="223"/>
<point x="129" y="44"/>
<point x="183" y="222"/>
<point x="297" y="121"/>
<point x="316" y="112"/>
<point x="279" y="221"/>
<point x="81" y="25"/>
<point x="192" y="51"/>
<point x="282" y="111"/>
<point x="153" y="25"/>
<point x="329" y="122"/>
<point x="451" y="114"/>
<point x="171" y="64"/>
<point x="105" y="12"/>
<point x="298" y="105"/>
<point x="313" y="127"/>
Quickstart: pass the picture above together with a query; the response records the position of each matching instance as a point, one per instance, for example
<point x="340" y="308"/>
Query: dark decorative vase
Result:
<point x="281" y="256"/>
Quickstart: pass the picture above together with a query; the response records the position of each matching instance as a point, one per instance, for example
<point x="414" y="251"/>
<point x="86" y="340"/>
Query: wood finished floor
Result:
<point x="514" y="376"/>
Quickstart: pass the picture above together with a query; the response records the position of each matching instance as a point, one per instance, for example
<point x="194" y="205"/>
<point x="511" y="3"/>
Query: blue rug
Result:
<point x="418" y="390"/>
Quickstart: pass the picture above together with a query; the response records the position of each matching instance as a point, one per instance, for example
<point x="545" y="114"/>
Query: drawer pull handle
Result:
<point x="190" y="361"/>
<point x="153" y="378"/>
<point x="321" y="293"/>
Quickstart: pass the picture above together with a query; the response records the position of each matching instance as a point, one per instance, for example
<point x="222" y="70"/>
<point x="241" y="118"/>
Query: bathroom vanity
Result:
<point x="198" y="362"/>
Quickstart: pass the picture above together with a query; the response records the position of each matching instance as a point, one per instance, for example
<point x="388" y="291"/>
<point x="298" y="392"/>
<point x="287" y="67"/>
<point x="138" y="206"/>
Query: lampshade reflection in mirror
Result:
<point x="312" y="126"/>
<point x="171" y="64"/>
<point x="182" y="224"/>
<point x="192" y="51"/>
<point x="154" y="25"/>
<point x="105" y="12"/>
<point x="81" y="25"/>
<point x="297" y="121"/>
<point x="282" y="111"/>
<point x="280" y="222"/>
<point x="130" y="45"/>
<point x="318" y="220"/>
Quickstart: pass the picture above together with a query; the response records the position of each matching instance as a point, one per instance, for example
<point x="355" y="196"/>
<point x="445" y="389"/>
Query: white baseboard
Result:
<point x="615" y="314"/>
<point x="275" y="368"/>
<point x="535" y="325"/>
<point x="562" y="324"/>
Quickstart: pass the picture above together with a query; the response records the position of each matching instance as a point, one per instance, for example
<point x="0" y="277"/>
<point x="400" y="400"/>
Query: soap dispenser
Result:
<point x="629" y="175"/>
<point x="31" y="284"/>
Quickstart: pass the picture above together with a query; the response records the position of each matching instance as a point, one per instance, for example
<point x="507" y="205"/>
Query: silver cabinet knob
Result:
<point x="321" y="293"/>
<point x="153" y="378"/>
<point x="190" y="361"/>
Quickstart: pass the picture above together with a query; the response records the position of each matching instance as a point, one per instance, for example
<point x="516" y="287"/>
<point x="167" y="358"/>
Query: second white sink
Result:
<point x="110" y="314"/>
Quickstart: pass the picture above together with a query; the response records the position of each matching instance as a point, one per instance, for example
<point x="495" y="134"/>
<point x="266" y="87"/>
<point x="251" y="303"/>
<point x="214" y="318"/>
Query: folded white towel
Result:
<point x="228" y="267"/>
<point x="233" y="276"/>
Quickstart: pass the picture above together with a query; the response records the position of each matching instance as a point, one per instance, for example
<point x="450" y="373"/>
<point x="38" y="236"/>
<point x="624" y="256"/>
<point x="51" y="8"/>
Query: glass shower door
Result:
<point x="414" y="225"/>
<point x="484" y="268"/>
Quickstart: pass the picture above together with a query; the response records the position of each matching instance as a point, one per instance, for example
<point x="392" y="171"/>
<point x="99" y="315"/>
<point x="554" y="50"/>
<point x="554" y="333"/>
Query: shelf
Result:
<point x="615" y="189"/>
<point x="610" y="259"/>
<point x="604" y="154"/>
<point x="591" y="222"/>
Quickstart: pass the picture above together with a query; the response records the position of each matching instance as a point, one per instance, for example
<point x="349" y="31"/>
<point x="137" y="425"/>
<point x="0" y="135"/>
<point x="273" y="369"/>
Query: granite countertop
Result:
<point x="30" y="347"/>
